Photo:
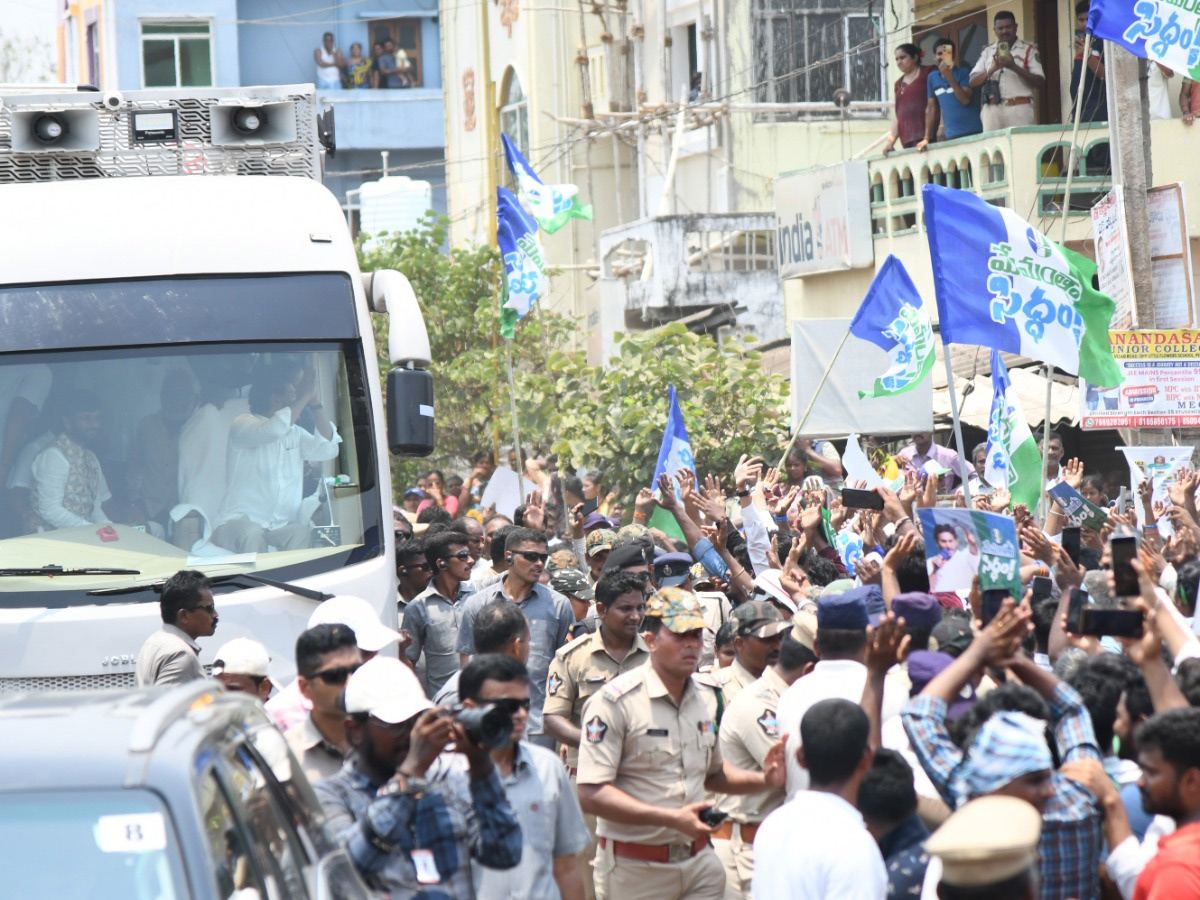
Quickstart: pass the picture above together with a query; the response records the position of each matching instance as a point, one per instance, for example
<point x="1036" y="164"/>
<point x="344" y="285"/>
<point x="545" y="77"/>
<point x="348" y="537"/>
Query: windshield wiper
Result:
<point x="59" y="570"/>
<point x="216" y="579"/>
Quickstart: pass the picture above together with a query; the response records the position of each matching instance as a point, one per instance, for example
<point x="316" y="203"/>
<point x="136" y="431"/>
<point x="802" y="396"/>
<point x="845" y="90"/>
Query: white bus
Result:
<point x="170" y="262"/>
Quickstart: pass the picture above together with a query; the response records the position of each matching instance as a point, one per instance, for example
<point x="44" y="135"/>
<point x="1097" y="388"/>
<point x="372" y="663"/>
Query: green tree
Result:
<point x="609" y="417"/>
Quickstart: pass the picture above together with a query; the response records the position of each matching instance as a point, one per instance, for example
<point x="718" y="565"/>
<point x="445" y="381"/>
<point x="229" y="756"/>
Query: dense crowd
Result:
<point x="775" y="691"/>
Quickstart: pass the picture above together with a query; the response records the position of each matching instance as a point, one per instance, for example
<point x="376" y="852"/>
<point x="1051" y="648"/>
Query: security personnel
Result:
<point x="584" y="666"/>
<point x="758" y="627"/>
<point x="574" y="585"/>
<point x="716" y="610"/>
<point x="748" y="731"/>
<point x="1006" y="75"/>
<point x="988" y="847"/>
<point x="648" y="753"/>
<point x="598" y="545"/>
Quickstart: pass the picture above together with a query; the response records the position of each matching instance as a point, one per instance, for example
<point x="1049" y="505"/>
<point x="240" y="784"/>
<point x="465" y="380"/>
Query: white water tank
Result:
<point x="393" y="204"/>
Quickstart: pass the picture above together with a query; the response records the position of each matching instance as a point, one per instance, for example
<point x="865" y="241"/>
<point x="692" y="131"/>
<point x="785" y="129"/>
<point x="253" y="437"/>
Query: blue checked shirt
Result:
<point x="457" y="820"/>
<point x="1071" y="841"/>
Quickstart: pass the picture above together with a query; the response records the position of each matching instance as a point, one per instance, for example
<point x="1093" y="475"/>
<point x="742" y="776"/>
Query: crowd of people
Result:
<point x="386" y="67"/>
<point x="725" y="706"/>
<point x="946" y="99"/>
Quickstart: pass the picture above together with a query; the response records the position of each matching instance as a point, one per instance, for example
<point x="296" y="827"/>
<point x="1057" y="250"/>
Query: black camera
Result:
<point x="488" y="726"/>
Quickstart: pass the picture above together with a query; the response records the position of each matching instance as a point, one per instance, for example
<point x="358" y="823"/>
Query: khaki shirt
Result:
<point x="716" y="609"/>
<point x="578" y="671"/>
<point x="638" y="740"/>
<point x="749" y="730"/>
<point x="1012" y="85"/>
<point x="733" y="679"/>
<point x="318" y="758"/>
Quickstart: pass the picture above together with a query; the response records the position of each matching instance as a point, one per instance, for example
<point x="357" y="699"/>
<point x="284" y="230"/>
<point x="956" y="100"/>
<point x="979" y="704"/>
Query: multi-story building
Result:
<point x="134" y="44"/>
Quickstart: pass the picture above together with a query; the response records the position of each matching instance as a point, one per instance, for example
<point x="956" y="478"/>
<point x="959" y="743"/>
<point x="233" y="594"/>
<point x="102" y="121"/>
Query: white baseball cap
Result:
<point x="242" y="656"/>
<point x="768" y="582"/>
<point x="358" y="615"/>
<point x="386" y="689"/>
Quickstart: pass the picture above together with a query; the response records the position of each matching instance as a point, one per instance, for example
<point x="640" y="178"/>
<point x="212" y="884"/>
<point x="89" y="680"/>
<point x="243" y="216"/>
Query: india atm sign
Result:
<point x="823" y="220"/>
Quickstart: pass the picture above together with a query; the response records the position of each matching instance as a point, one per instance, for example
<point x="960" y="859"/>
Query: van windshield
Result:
<point x="81" y="844"/>
<point x="228" y="458"/>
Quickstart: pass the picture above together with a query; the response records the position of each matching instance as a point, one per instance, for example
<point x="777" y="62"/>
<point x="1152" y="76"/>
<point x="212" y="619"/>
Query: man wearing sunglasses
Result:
<point x="413" y="572"/>
<point x="538" y="789"/>
<point x="434" y="617"/>
<point x="326" y="655"/>
<point x="549" y="613"/>
<point x="411" y="816"/>
<point x="171" y="655"/>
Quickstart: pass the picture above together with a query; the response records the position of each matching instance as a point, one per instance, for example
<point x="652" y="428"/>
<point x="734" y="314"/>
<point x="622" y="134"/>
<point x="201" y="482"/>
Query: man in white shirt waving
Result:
<point x="816" y="846"/>
<point x="267" y="451"/>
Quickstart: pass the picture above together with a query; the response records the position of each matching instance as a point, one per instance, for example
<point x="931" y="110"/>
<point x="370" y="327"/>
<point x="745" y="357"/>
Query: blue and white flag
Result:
<point x="525" y="271"/>
<point x="551" y="204"/>
<point x="1001" y="283"/>
<point x="1013" y="461"/>
<point x="674" y="454"/>
<point x="1164" y="31"/>
<point x="893" y="317"/>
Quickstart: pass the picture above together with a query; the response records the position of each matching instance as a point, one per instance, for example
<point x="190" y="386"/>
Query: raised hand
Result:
<point x="1072" y="472"/>
<point x="748" y="467"/>
<point x="900" y="551"/>
<point x="887" y="644"/>
<point x="868" y="571"/>
<point x="666" y="493"/>
<point x="1039" y="545"/>
<point x="535" y="514"/>
<point x="712" y="488"/>
<point x="1000" y="499"/>
<point x="576" y="517"/>
<point x="644" y="505"/>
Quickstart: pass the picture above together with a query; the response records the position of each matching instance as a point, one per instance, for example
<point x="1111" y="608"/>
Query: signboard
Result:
<point x="1170" y="257"/>
<point x="838" y="410"/>
<point x="1113" y="266"/>
<point x="1162" y="382"/>
<point x="823" y="220"/>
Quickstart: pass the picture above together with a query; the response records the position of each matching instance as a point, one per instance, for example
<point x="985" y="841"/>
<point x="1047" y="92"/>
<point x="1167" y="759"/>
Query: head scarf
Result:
<point x="1009" y="745"/>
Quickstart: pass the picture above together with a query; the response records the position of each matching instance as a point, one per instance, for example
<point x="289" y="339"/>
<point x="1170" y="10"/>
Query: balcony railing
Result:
<point x="409" y="119"/>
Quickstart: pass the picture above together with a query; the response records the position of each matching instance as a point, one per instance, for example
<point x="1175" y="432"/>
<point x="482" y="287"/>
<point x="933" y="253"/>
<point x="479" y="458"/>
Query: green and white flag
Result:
<point x="1013" y="461"/>
<point x="893" y="317"/>
<point x="553" y="205"/>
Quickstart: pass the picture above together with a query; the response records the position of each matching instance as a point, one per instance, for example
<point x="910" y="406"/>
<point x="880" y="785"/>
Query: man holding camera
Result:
<point x="1006" y="75"/>
<point x="649" y="753"/>
<point x="410" y="818"/>
<point x="536" y="785"/>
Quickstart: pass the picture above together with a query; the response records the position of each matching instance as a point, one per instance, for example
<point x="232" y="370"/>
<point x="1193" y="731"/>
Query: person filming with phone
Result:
<point x="1007" y="73"/>
<point x="951" y="99"/>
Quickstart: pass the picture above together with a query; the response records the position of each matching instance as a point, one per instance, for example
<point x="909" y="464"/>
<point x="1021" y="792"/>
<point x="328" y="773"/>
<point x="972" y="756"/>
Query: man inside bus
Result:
<point x="264" y="503"/>
<point x="68" y="485"/>
<point x="154" y="475"/>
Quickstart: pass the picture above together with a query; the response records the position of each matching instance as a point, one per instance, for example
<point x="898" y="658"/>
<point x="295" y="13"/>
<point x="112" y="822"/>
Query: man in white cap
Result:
<point x="241" y="665"/>
<point x="409" y="816"/>
<point x="987" y="850"/>
<point x="289" y="707"/>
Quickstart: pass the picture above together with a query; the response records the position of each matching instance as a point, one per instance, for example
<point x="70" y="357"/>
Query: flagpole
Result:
<point x="512" y="405"/>
<point x="962" y="450"/>
<point x="811" y="403"/>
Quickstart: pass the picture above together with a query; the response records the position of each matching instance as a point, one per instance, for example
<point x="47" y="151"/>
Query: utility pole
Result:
<point x="1128" y="124"/>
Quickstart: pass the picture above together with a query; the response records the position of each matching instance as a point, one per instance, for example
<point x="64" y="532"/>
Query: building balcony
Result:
<point x="716" y="270"/>
<point x="409" y="119"/>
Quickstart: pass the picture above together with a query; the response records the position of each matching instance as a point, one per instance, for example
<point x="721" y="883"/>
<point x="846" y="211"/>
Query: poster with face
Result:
<point x="961" y="543"/>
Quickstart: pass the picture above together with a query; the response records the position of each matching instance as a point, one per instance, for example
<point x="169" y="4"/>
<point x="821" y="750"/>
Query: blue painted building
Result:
<point x="135" y="44"/>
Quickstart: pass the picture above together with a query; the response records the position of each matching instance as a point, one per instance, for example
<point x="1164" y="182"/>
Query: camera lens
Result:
<point x="488" y="726"/>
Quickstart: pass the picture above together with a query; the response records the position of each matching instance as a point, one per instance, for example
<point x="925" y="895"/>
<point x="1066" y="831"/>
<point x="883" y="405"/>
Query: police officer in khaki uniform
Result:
<point x="749" y="730"/>
<point x="1006" y="75"/>
<point x="584" y="666"/>
<point x="758" y="628"/>
<point x="649" y="751"/>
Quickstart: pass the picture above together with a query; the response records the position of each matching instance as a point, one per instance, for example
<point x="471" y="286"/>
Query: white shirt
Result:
<point x="21" y="474"/>
<point x="835" y="678"/>
<point x="203" y="450"/>
<point x="817" y="847"/>
<point x="1156" y="89"/>
<point x="50" y="473"/>
<point x="29" y="382"/>
<point x="265" y="468"/>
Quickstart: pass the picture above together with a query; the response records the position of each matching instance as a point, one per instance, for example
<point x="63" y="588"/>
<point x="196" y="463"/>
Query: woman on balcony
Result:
<point x="357" y="68"/>
<point x="910" y="91"/>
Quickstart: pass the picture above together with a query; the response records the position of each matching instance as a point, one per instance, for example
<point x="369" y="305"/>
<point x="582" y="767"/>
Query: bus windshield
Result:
<point x="248" y="457"/>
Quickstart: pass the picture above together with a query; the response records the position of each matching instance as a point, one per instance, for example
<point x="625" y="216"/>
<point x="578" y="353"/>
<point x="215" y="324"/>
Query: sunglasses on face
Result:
<point x="511" y="705"/>
<point x="424" y="567"/>
<point x="464" y="555"/>
<point x="211" y="609"/>
<point x="532" y="555"/>
<point x="337" y="675"/>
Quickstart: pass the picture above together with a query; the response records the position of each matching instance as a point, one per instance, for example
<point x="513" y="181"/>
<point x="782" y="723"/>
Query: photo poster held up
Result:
<point x="962" y="543"/>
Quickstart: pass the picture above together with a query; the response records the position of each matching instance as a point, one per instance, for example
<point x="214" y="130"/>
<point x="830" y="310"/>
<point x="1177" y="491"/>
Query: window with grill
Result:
<point x="176" y="54"/>
<point x="805" y="53"/>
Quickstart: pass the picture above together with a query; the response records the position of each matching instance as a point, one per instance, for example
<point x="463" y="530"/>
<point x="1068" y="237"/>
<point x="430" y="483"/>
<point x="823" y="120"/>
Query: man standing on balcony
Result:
<point x="951" y="98"/>
<point x="1008" y="72"/>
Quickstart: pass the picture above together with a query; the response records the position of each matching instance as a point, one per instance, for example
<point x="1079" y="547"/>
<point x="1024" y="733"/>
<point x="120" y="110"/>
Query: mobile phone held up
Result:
<point x="1074" y="608"/>
<point x="992" y="601"/>
<point x="1124" y="551"/>
<point x="1070" y="543"/>
<point x="852" y="498"/>
<point x="1096" y="622"/>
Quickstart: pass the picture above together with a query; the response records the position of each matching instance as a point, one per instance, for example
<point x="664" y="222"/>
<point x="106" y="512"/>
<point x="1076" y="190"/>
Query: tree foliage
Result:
<point x="607" y="417"/>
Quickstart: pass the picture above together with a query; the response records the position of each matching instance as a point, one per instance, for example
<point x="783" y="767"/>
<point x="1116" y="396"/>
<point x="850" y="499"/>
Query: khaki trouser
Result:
<point x="243" y="536"/>
<point x="996" y="116"/>
<point x="737" y="857"/>
<point x="701" y="877"/>
<point x="588" y="853"/>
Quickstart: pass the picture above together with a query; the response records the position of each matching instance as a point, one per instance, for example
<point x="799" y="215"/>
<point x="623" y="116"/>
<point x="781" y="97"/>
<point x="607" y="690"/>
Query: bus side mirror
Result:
<point x="410" y="412"/>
